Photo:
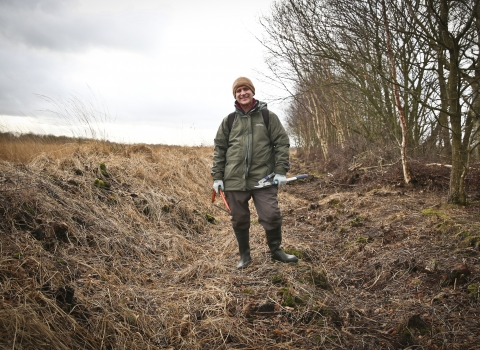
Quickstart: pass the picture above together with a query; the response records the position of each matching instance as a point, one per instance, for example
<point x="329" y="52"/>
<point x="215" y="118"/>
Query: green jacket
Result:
<point x="249" y="151"/>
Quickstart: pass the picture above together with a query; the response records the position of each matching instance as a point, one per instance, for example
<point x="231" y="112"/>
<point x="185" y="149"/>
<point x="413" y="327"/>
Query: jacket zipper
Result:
<point x="248" y="144"/>
<point x="246" y="156"/>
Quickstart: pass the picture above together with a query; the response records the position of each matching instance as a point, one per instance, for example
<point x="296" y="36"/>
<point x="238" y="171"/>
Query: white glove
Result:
<point x="280" y="180"/>
<point x="217" y="184"/>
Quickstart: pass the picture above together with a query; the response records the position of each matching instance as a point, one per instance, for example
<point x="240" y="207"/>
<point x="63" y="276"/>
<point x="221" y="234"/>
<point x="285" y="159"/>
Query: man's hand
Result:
<point x="218" y="184"/>
<point x="280" y="180"/>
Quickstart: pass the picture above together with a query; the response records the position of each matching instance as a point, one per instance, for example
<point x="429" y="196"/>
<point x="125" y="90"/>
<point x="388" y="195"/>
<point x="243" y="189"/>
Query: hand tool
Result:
<point x="224" y="200"/>
<point x="264" y="183"/>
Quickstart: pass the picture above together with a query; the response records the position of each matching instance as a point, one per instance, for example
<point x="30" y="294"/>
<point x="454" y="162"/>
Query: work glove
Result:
<point x="217" y="184"/>
<point x="280" y="180"/>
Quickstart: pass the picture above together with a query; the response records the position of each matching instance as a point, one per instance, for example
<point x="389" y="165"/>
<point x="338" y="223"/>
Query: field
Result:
<point x="110" y="246"/>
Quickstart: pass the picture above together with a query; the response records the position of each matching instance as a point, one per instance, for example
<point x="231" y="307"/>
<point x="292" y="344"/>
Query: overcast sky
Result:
<point x="158" y="71"/>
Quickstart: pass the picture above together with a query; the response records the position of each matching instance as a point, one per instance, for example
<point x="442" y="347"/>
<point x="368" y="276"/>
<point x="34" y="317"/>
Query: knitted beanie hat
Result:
<point x="242" y="81"/>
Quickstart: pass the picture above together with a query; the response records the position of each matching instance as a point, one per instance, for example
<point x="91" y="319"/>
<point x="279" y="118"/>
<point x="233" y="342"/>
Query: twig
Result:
<point x="377" y="166"/>
<point x="439" y="164"/>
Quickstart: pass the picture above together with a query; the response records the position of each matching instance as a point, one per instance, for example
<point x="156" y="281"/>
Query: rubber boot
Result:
<point x="243" y="247"/>
<point x="274" y="240"/>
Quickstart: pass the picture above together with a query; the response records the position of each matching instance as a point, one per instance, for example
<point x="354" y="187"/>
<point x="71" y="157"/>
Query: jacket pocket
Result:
<point x="233" y="169"/>
<point x="260" y="170"/>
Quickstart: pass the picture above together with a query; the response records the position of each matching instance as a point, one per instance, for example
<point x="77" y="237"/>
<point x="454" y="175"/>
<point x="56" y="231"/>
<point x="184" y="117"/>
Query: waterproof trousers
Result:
<point x="266" y="204"/>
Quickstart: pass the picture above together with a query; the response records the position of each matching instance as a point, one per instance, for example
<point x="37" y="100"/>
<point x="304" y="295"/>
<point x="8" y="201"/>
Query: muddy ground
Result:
<point x="403" y="268"/>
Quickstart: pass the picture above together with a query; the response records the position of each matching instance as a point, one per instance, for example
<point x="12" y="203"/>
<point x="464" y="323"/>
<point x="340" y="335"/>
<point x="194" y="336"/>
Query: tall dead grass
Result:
<point x="83" y="117"/>
<point x="23" y="148"/>
<point x="124" y="266"/>
<point x="108" y="246"/>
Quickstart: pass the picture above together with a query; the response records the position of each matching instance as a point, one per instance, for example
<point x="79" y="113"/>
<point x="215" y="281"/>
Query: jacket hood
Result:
<point x="258" y="106"/>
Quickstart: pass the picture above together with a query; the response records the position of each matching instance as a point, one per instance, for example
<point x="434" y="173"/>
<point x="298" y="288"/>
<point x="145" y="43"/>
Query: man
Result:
<point x="246" y="151"/>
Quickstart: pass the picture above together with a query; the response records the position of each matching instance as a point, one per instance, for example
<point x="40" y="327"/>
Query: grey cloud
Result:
<point x="22" y="75"/>
<point x="57" y="25"/>
<point x="37" y="37"/>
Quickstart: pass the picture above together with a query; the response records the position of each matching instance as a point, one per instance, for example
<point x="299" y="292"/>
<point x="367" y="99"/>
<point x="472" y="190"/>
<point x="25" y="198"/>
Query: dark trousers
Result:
<point x="266" y="204"/>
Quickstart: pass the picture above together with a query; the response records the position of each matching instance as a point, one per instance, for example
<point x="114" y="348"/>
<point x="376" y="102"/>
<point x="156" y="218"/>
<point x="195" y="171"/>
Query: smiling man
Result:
<point x="250" y="144"/>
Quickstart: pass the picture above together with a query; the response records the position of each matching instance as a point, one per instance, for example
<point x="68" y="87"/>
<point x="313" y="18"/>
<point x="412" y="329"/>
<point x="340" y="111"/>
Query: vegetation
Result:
<point x="148" y="263"/>
<point x="396" y="78"/>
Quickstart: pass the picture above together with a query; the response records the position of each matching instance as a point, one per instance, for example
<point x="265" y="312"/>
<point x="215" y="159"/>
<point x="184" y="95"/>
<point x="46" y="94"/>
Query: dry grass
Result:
<point x="128" y="254"/>
<point x="138" y="265"/>
<point x="22" y="149"/>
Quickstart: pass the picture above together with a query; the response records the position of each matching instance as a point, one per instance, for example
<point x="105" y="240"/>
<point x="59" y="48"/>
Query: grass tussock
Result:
<point x="85" y="266"/>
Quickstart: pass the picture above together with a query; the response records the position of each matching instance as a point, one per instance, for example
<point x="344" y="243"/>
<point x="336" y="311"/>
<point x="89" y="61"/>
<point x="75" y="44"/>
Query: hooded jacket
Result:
<point x="250" y="150"/>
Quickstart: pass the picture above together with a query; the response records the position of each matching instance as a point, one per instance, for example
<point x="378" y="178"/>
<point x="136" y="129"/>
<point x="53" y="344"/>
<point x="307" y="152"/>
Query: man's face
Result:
<point x="244" y="96"/>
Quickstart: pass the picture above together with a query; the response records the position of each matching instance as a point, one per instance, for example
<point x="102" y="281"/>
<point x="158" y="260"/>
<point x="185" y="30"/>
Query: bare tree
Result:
<point x="449" y="28"/>
<point x="355" y="64"/>
<point x="335" y="53"/>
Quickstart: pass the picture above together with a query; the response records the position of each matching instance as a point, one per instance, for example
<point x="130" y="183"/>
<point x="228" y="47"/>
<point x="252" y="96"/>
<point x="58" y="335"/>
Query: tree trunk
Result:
<point x="406" y="170"/>
<point x="457" y="193"/>
<point x="444" y="137"/>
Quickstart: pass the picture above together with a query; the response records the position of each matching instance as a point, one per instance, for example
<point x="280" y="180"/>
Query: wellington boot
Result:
<point x="243" y="247"/>
<point x="274" y="240"/>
